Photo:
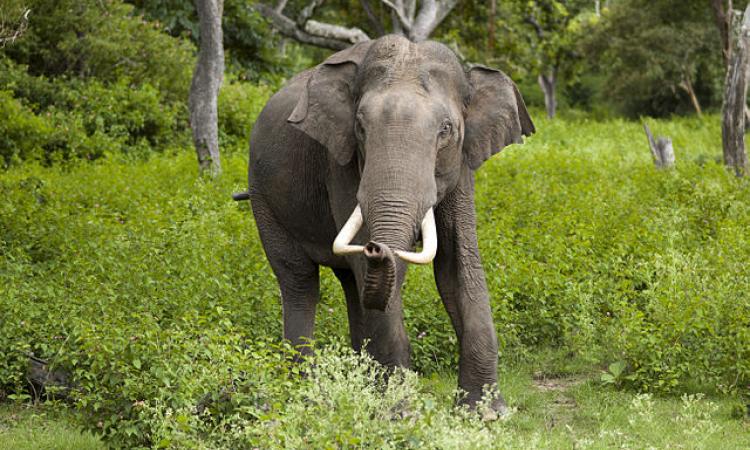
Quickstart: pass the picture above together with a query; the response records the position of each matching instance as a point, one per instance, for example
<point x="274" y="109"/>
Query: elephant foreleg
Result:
<point x="298" y="277"/>
<point x="463" y="289"/>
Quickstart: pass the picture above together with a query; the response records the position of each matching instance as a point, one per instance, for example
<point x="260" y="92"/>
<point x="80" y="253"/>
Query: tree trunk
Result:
<point x="491" y="26"/>
<point x="735" y="98"/>
<point x="723" y="19"/>
<point x="204" y="90"/>
<point x="431" y="14"/>
<point x="688" y="87"/>
<point x="547" y="83"/>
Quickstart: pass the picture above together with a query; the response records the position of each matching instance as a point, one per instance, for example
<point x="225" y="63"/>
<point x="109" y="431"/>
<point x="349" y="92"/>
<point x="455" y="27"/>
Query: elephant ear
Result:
<point x="496" y="115"/>
<point x="326" y="109"/>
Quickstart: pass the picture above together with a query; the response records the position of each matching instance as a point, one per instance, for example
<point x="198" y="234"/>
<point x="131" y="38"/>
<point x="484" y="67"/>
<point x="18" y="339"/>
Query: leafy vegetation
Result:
<point x="652" y="64"/>
<point x="156" y="296"/>
<point x="340" y="404"/>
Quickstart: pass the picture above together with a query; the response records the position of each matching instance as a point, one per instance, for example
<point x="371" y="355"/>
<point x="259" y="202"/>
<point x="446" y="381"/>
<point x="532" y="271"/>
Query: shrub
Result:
<point x="22" y="133"/>
<point x="74" y="118"/>
<point x="102" y="39"/>
<point x="344" y="401"/>
<point x="239" y="106"/>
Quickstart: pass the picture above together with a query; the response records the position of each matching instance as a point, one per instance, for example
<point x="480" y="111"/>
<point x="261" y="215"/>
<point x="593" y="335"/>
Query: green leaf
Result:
<point x="617" y="368"/>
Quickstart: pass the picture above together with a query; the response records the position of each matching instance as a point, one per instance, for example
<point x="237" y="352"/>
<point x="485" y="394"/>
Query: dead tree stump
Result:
<point x="661" y="149"/>
<point x="735" y="98"/>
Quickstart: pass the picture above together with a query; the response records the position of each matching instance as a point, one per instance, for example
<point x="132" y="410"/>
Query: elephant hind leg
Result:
<point x="297" y="275"/>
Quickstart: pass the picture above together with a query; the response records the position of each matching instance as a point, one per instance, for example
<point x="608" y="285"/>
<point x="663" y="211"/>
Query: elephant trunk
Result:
<point x="380" y="278"/>
<point x="392" y="221"/>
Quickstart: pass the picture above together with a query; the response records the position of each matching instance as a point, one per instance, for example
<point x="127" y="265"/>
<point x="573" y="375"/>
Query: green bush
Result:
<point x="102" y="39"/>
<point x="51" y="137"/>
<point x="22" y="133"/>
<point x="78" y="118"/>
<point x="97" y="79"/>
<point x="134" y="116"/>
<point x="239" y="106"/>
<point x="345" y="401"/>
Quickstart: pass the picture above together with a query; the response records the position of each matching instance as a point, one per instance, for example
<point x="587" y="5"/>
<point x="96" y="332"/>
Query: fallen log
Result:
<point x="45" y="380"/>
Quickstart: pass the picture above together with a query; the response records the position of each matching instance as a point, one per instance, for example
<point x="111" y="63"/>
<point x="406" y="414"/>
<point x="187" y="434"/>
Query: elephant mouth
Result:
<point x="342" y="244"/>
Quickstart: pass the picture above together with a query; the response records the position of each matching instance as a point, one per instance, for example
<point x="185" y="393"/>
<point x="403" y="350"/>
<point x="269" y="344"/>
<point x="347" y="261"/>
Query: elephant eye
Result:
<point x="445" y="128"/>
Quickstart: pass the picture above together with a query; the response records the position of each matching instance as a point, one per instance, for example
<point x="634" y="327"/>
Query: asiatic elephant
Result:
<point x="355" y="161"/>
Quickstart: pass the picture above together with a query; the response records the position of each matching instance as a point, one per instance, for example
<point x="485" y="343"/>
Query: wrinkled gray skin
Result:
<point x="397" y="127"/>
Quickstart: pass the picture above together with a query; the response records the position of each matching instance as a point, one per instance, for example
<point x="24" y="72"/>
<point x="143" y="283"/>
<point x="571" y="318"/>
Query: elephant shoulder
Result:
<point x="272" y="135"/>
<point x="282" y="103"/>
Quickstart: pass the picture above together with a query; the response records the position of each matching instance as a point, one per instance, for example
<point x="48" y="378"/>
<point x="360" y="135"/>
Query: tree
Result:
<point x="491" y="25"/>
<point x="555" y="27"/>
<point x="250" y="44"/>
<point x="651" y="65"/>
<point x="409" y="18"/>
<point x="204" y="89"/>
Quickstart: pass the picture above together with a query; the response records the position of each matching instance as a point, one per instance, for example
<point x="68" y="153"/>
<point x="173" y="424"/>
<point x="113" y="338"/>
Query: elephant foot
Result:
<point x="496" y="410"/>
<point x="489" y="410"/>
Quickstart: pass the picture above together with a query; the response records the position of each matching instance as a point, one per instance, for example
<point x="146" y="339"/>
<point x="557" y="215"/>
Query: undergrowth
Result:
<point x="149" y="287"/>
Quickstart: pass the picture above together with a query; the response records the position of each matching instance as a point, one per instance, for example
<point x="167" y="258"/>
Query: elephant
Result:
<point x="354" y="162"/>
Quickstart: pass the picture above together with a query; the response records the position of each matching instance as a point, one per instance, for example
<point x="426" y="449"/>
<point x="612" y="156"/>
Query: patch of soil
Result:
<point x="548" y="384"/>
<point x="562" y="406"/>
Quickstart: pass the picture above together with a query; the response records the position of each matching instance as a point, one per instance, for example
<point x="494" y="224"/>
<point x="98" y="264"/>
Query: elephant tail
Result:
<point x="240" y="196"/>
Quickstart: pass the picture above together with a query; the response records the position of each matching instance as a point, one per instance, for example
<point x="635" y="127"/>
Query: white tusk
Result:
<point x="429" y="242"/>
<point x="341" y="246"/>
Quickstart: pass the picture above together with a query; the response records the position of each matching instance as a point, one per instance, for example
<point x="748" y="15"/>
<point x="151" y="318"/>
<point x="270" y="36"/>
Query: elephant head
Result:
<point x="409" y="116"/>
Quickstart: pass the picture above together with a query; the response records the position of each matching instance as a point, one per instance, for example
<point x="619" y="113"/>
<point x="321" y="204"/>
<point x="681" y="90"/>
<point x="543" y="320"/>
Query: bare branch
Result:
<point x="330" y="31"/>
<point x="314" y="33"/>
<point x="398" y="10"/>
<point x="281" y="5"/>
<point x="8" y="35"/>
<point x="533" y="22"/>
<point x="432" y="13"/>
<point x="337" y="37"/>
<point x="374" y="20"/>
<point x="308" y="11"/>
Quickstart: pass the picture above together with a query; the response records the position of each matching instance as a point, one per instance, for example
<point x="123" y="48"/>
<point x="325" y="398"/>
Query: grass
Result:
<point x="41" y="428"/>
<point x="557" y="409"/>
